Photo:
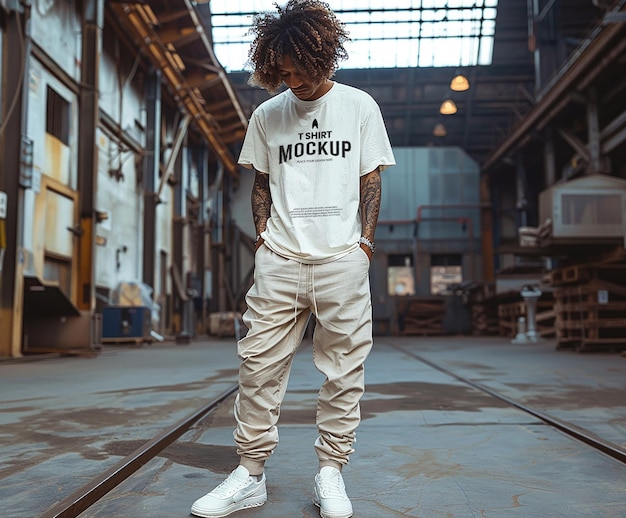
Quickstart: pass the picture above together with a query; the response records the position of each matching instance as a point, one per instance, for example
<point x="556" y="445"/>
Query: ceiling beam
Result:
<point x="584" y="66"/>
<point x="159" y="42"/>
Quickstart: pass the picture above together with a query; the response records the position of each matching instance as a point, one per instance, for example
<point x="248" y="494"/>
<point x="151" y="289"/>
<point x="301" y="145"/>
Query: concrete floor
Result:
<point x="429" y="446"/>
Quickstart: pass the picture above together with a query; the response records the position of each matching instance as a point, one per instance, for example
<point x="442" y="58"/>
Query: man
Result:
<point x="317" y="150"/>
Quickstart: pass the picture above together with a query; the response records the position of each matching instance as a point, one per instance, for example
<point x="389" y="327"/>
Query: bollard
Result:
<point x="520" y="337"/>
<point x="527" y="327"/>
<point x="531" y="295"/>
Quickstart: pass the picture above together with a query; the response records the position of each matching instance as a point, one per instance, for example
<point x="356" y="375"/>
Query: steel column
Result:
<point x="520" y="188"/>
<point x="486" y="229"/>
<point x="151" y="165"/>
<point x="93" y="20"/>
<point x="14" y="110"/>
<point x="549" y="158"/>
<point x="593" y="133"/>
<point x="179" y="242"/>
<point x="202" y="234"/>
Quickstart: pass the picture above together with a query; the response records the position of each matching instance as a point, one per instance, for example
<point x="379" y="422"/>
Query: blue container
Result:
<point x="120" y="322"/>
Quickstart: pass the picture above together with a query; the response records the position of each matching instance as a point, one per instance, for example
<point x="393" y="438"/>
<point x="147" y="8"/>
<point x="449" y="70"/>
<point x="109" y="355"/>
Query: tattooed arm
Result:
<point x="369" y="206"/>
<point x="261" y="203"/>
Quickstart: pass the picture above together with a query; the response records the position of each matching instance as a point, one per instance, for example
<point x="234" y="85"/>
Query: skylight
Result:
<point x="384" y="33"/>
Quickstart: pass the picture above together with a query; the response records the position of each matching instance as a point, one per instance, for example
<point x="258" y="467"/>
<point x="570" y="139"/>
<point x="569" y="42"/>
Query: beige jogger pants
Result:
<point x="279" y="304"/>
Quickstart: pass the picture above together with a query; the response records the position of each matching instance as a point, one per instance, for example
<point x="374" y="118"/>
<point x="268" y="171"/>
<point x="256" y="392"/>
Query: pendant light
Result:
<point x="459" y="83"/>
<point x="440" y="130"/>
<point x="447" y="107"/>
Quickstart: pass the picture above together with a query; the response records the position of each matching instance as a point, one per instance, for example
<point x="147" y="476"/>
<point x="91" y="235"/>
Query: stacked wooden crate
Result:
<point x="419" y="315"/>
<point x="483" y="306"/>
<point x="485" y="320"/>
<point x="545" y="319"/>
<point x="498" y="313"/>
<point x="590" y="305"/>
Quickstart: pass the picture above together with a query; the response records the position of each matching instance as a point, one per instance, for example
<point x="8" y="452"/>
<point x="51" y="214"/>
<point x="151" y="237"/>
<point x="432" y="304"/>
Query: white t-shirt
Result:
<point x="314" y="153"/>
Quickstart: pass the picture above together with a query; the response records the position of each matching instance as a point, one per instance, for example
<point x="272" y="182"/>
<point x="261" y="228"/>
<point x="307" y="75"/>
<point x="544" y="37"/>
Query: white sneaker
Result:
<point x="330" y="494"/>
<point x="238" y="491"/>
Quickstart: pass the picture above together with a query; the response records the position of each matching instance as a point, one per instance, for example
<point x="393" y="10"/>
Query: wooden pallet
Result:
<point x="508" y="315"/>
<point x="579" y="274"/>
<point x="611" y="268"/>
<point x="594" y="290"/>
<point x="484" y="302"/>
<point x="584" y="344"/>
<point x="485" y="321"/>
<point x="481" y="293"/>
<point x="591" y="316"/>
<point x="420" y="316"/>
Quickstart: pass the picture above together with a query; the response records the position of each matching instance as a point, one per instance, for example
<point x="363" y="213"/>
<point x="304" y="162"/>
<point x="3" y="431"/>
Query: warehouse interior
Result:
<point x="123" y="211"/>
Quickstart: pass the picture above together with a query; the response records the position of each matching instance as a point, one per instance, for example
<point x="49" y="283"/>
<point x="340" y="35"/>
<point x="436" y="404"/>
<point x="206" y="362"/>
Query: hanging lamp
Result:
<point x="440" y="130"/>
<point x="459" y="83"/>
<point x="447" y="107"/>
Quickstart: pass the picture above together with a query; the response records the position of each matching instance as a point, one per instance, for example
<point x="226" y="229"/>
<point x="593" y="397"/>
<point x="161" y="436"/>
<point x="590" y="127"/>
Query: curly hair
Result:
<point x="305" y="30"/>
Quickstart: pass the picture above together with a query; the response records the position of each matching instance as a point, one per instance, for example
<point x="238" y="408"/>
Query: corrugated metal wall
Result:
<point x="430" y="211"/>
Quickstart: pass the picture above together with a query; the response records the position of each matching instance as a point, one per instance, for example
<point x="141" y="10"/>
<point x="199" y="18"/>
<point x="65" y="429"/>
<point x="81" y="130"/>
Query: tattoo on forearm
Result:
<point x="370" y="203"/>
<point x="261" y="201"/>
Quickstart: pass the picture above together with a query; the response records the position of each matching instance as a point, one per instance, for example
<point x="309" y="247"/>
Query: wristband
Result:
<point x="368" y="244"/>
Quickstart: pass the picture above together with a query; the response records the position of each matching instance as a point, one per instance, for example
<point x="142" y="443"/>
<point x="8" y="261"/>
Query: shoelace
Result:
<point x="332" y="487"/>
<point x="229" y="486"/>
